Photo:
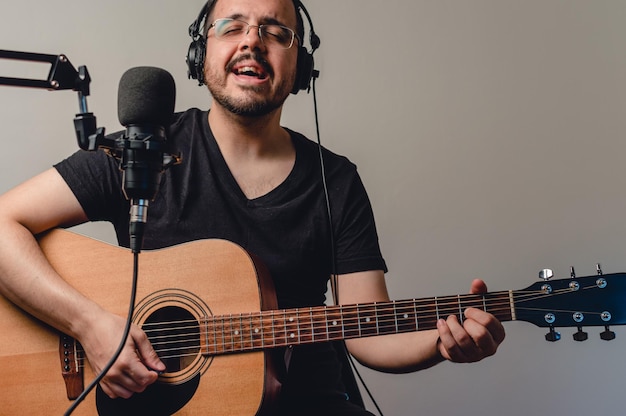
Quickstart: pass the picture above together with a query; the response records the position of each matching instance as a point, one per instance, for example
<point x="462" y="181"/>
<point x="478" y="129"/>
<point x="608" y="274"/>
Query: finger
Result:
<point x="115" y="391"/>
<point x="146" y="353"/>
<point x="493" y="325"/>
<point x="117" y="385"/>
<point x="454" y="339"/>
<point x="138" y="379"/>
<point x="138" y="376"/>
<point x="484" y="343"/>
<point x="129" y="375"/>
<point x="478" y="286"/>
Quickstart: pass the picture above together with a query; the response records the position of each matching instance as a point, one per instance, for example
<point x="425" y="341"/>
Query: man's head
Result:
<point x="251" y="54"/>
<point x="204" y="30"/>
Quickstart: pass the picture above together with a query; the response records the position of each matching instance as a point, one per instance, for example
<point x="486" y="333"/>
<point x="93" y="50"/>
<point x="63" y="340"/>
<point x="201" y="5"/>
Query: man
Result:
<point x="247" y="179"/>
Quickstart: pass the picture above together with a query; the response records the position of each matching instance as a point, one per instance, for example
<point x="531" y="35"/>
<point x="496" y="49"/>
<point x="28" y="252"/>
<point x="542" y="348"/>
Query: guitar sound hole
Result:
<point x="175" y="335"/>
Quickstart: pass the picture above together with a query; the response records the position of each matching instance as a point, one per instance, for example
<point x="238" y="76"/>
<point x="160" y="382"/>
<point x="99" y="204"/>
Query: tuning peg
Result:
<point x="607" y="334"/>
<point x="581" y="335"/>
<point x="599" y="269"/>
<point x="546" y="274"/>
<point x="553" y="335"/>
<point x="572" y="273"/>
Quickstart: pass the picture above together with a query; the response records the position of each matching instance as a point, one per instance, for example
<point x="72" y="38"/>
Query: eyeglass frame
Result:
<point x="294" y="35"/>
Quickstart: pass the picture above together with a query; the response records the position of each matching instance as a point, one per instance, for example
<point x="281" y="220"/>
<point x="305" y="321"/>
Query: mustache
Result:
<point x="251" y="56"/>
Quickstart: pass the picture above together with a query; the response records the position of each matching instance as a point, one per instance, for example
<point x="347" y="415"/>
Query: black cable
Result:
<point x="334" y="276"/>
<point x="131" y="311"/>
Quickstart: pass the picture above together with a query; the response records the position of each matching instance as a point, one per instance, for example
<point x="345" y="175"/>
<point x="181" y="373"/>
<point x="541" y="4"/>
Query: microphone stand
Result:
<point x="63" y="76"/>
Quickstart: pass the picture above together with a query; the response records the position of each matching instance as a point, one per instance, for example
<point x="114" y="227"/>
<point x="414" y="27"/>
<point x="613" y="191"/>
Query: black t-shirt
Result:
<point x="288" y="228"/>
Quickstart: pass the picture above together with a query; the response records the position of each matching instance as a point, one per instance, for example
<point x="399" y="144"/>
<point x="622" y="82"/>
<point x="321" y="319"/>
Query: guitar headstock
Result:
<point x="598" y="300"/>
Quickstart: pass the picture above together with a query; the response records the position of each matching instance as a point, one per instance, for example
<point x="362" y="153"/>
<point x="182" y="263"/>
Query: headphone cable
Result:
<point x="334" y="276"/>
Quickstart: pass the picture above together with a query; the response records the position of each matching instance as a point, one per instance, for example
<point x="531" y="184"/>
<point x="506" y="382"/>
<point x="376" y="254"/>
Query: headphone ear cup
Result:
<point x="195" y="60"/>
<point x="304" y="70"/>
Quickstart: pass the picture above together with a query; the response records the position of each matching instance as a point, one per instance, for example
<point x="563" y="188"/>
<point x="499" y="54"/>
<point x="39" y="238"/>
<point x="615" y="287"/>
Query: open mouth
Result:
<point x="250" y="71"/>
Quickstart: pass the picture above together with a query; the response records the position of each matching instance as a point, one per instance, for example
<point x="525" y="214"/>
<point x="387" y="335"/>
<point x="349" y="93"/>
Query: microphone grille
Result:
<point x="146" y="95"/>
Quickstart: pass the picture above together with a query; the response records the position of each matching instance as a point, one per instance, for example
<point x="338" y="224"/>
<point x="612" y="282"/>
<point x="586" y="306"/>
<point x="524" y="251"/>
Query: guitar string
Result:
<point x="440" y="303"/>
<point x="379" y="308"/>
<point x="221" y="323"/>
<point x="386" y="318"/>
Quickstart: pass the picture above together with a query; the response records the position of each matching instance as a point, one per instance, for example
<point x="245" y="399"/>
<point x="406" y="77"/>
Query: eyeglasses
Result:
<point x="232" y="30"/>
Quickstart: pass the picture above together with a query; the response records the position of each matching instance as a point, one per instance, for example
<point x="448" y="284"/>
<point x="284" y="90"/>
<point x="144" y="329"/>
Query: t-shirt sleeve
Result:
<point x="358" y="247"/>
<point x="95" y="180"/>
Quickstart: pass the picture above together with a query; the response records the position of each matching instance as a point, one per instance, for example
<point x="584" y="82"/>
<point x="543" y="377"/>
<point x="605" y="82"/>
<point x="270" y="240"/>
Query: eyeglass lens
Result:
<point x="235" y="30"/>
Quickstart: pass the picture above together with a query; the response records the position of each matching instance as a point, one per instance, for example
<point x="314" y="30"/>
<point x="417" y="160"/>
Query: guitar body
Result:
<point x="191" y="282"/>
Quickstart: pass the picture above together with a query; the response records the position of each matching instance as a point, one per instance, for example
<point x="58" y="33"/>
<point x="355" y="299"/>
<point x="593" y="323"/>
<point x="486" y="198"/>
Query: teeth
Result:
<point x="247" y="69"/>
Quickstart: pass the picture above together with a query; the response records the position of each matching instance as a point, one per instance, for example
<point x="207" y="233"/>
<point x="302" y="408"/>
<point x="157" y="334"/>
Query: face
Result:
<point x="247" y="77"/>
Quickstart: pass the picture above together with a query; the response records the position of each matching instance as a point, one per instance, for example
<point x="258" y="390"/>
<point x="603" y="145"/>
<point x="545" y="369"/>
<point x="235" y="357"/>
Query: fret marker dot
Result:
<point x="292" y="335"/>
<point x="256" y="330"/>
<point x="406" y="316"/>
<point x="290" y="319"/>
<point x="236" y="332"/>
<point x="334" y="323"/>
<point x="367" y="320"/>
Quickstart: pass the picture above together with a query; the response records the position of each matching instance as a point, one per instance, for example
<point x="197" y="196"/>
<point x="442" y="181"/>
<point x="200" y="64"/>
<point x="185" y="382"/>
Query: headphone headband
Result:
<point x="305" y="70"/>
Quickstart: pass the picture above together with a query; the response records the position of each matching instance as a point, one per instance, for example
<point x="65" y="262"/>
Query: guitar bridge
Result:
<point x="71" y="355"/>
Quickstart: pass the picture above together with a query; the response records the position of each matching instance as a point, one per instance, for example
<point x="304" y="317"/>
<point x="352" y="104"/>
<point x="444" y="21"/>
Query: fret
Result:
<point x="214" y="341"/>
<point x="281" y="329"/>
<point x="405" y="316"/>
<point x="219" y="329"/>
<point x="234" y="333"/>
<point x="424" y="312"/>
<point x="256" y="332"/>
<point x="228" y="334"/>
<point x="499" y="302"/>
<point x="351" y="323"/>
<point x="395" y="315"/>
<point x="241" y="329"/>
<point x="368" y="320"/>
<point x="205" y="348"/>
<point x="319" y="322"/>
<point x="461" y="316"/>
<point x="273" y="338"/>
<point x="312" y="324"/>
<point x="326" y="321"/>
<point x="291" y="333"/>
<point x="512" y="304"/>
<point x="334" y="321"/>
<point x="304" y="326"/>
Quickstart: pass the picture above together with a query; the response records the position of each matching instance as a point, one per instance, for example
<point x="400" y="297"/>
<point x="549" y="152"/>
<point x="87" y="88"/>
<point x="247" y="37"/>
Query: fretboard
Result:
<point x="279" y="328"/>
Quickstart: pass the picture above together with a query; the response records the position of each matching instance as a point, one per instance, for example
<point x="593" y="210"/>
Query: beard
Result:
<point x="247" y="106"/>
<point x="251" y="102"/>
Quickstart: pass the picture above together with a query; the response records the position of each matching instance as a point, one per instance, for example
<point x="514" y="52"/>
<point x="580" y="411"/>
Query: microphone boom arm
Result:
<point x="62" y="76"/>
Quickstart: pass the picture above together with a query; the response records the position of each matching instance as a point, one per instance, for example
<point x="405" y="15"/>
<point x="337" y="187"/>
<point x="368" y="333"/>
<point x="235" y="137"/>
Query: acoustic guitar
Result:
<point x="210" y="311"/>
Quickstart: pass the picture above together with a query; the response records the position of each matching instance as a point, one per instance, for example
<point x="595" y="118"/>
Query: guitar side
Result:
<point x="221" y="276"/>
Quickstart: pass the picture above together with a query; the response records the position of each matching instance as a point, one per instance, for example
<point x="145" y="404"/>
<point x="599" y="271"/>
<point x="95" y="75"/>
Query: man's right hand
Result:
<point x="136" y="368"/>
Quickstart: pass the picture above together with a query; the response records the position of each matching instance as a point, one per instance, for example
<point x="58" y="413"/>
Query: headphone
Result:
<point x="305" y="70"/>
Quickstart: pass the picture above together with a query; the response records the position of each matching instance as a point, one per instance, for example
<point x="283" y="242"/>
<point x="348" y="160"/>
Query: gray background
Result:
<point x="489" y="133"/>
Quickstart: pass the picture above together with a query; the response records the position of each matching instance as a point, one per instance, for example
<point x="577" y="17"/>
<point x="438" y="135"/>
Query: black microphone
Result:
<point x="146" y="98"/>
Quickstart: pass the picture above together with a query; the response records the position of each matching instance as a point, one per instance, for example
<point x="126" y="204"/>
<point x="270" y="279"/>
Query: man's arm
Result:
<point x="478" y="337"/>
<point x="28" y="280"/>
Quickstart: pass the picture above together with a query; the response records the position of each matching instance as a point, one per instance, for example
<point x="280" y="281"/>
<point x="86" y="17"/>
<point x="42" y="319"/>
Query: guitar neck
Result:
<point x="279" y="328"/>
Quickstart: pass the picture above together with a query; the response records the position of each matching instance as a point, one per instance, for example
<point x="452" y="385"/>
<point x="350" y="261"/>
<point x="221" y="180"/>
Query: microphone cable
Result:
<point x="131" y="312"/>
